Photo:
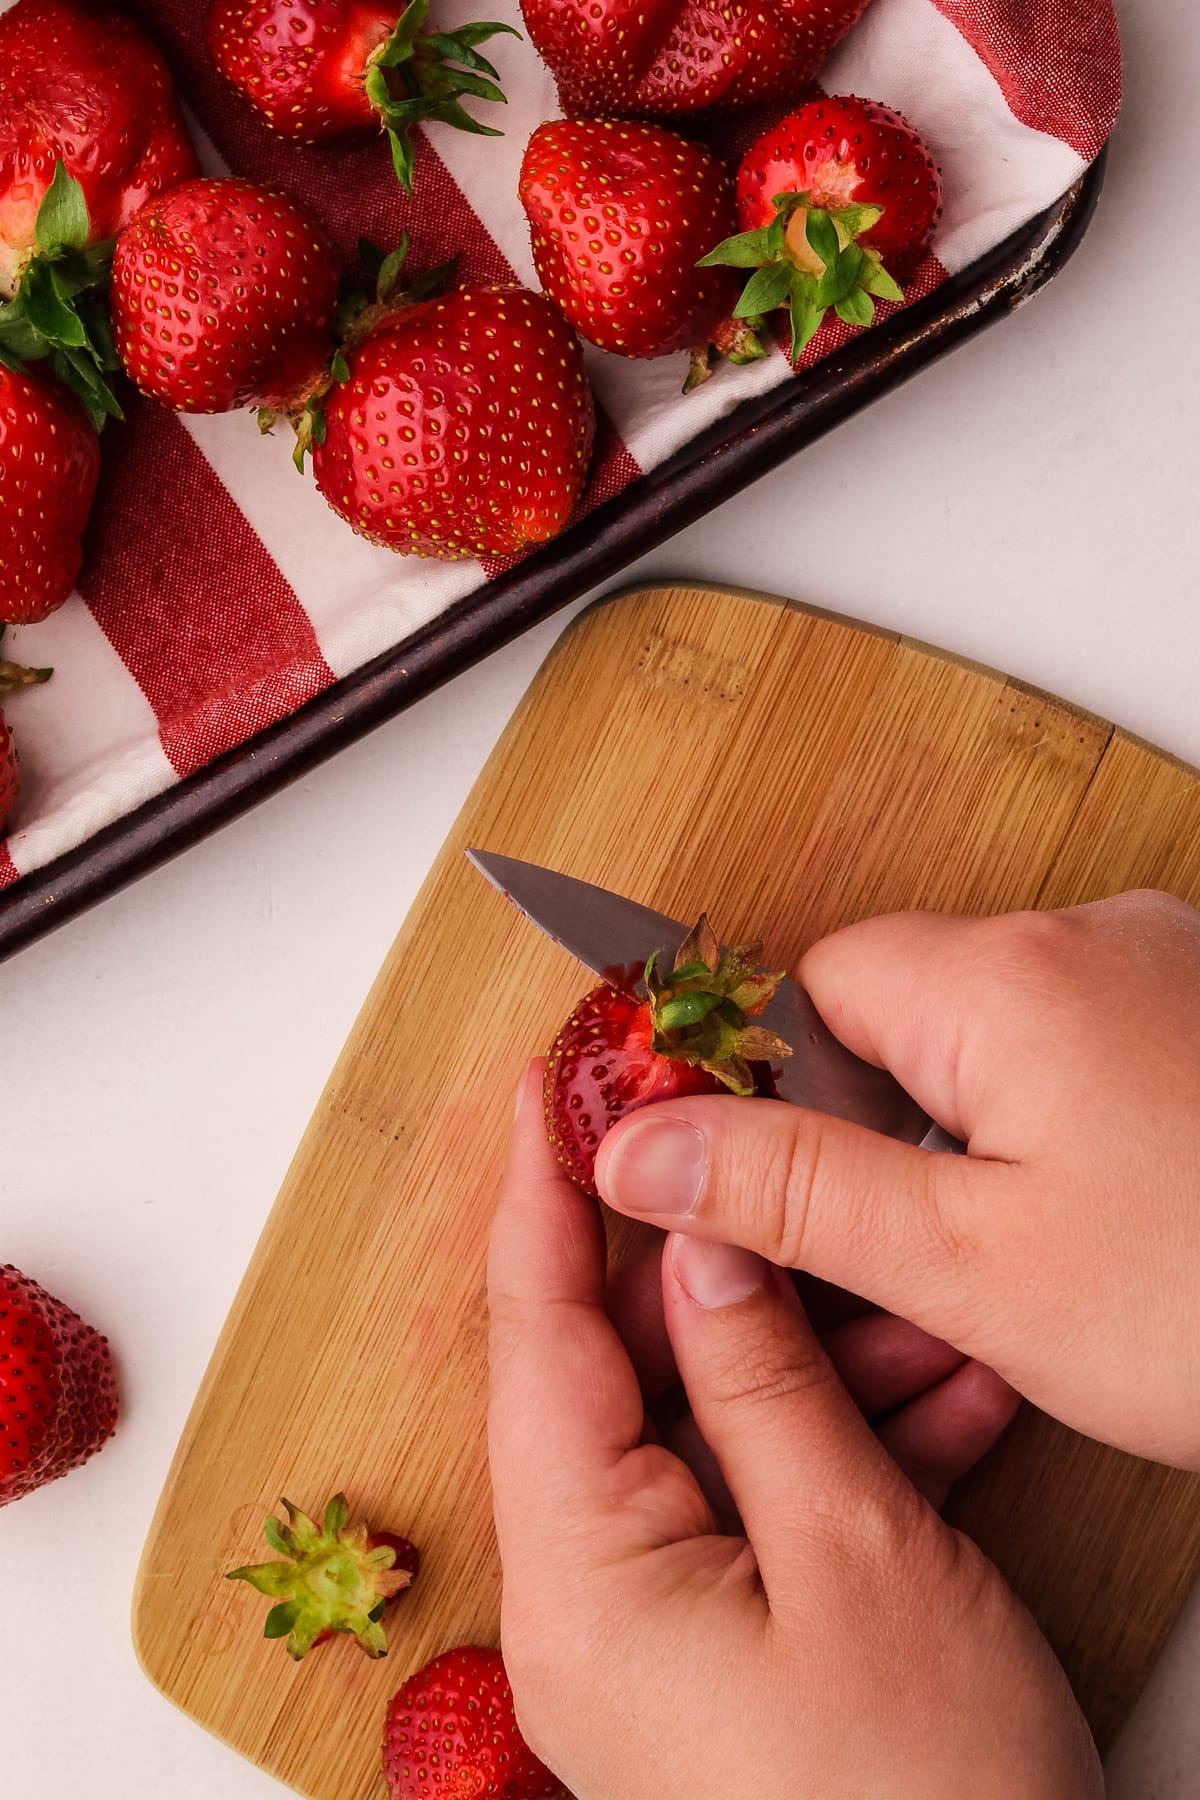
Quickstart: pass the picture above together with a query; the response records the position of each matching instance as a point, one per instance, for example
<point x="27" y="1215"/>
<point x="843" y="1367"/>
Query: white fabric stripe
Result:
<point x="997" y="172"/>
<point x="88" y="740"/>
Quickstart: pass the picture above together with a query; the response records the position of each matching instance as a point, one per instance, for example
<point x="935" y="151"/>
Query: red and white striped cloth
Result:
<point x="220" y="593"/>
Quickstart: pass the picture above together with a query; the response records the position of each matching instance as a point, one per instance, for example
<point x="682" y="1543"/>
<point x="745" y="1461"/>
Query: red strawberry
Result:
<point x="334" y="1578"/>
<point x="12" y="676"/>
<point x="85" y="86"/>
<point x="823" y="198"/>
<point x="222" y="296"/>
<point x="626" y="1046"/>
<point x="463" y="428"/>
<point x="58" y="1399"/>
<point x="49" y="464"/>
<point x="331" y="67"/>
<point x="619" y="216"/>
<point x="451" y="1731"/>
<point x="668" y="57"/>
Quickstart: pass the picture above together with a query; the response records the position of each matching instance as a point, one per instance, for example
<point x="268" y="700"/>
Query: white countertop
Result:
<point x="1029" y="503"/>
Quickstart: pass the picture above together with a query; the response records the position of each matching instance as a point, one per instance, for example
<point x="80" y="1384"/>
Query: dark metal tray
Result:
<point x="712" y="467"/>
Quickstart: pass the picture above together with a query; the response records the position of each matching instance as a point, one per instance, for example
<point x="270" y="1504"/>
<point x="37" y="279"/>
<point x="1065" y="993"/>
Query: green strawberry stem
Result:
<point x="12" y="675"/>
<point x="417" y="75"/>
<point x="57" y="313"/>
<point x="329" y="1579"/>
<point x="701" y="1010"/>
<point x="809" y="259"/>
<point x="736" y="340"/>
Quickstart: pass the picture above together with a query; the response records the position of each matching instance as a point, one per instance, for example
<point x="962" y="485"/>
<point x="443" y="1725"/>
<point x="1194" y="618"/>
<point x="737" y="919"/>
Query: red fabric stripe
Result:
<point x="8" y="870"/>
<point x="1058" y="62"/>
<point x="189" y="598"/>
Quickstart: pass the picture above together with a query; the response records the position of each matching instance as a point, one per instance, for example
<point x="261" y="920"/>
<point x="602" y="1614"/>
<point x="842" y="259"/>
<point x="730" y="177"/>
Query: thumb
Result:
<point x="799" y="1458"/>
<point x="911" y="1231"/>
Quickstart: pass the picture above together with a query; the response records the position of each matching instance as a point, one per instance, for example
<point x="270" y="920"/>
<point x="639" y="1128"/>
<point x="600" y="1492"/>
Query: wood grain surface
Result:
<point x="789" y="771"/>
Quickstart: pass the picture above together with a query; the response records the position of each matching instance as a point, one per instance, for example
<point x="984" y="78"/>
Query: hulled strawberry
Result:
<point x="223" y="294"/>
<point x="620" y="215"/>
<point x="333" y="67"/>
<point x="664" y="58"/>
<point x="58" y="1397"/>
<point x="837" y="204"/>
<point x="334" y="1578"/>
<point x="463" y="426"/>
<point x="656" y="1038"/>
<point x="85" y="87"/>
<point x="12" y="676"/>
<point x="451" y="1730"/>
<point x="49" y="465"/>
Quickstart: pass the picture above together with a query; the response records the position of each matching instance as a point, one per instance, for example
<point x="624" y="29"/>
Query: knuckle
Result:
<point x="764" y="1373"/>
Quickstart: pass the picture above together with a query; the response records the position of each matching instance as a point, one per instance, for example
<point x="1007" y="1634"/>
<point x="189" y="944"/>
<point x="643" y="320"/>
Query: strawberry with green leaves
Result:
<point x="838" y="203"/>
<point x="58" y="1397"/>
<point x="657" y="1037"/>
<point x="332" y="68"/>
<point x="333" y="1579"/>
<point x="223" y="294"/>
<point x="49" y="466"/>
<point x="451" y="1731"/>
<point x="619" y="215"/>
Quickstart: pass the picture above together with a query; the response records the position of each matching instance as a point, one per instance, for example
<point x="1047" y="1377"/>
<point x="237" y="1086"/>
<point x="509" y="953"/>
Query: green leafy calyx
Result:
<point x="417" y="75"/>
<point x="57" y="313"/>
<point x="702" y="1009"/>
<point x="809" y="259"/>
<point x="329" y="1579"/>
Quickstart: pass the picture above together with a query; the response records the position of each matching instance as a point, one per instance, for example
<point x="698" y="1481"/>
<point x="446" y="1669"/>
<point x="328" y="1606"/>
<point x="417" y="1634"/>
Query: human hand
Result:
<point x="836" y="1638"/>
<point x="1065" y="1251"/>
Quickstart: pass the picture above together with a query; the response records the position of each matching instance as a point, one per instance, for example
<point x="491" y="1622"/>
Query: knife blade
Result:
<point x="602" y="930"/>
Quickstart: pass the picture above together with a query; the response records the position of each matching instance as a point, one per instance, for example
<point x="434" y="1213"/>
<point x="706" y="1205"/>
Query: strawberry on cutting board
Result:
<point x="665" y="58"/>
<point x="331" y="1579"/>
<point x="331" y="68"/>
<point x="619" y="215"/>
<point x="451" y="1732"/>
<point x="49" y="466"/>
<point x="837" y="204"/>
<point x="462" y="428"/>
<point x="58" y="1398"/>
<point x="656" y="1037"/>
<point x="222" y="296"/>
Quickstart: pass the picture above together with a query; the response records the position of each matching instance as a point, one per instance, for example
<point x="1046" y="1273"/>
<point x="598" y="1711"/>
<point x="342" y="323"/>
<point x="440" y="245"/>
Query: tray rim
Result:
<point x="718" y="463"/>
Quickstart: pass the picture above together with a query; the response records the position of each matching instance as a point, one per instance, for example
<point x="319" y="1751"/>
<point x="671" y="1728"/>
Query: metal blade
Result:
<point x="603" y="930"/>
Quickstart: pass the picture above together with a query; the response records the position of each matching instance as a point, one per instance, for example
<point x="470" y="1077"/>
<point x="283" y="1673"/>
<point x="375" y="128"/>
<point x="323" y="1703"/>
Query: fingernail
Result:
<point x="716" y="1274"/>
<point x="655" y="1169"/>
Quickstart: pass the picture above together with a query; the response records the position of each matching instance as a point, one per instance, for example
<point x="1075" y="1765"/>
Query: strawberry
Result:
<point x="664" y="58"/>
<point x="333" y="67"/>
<point x="334" y="1578"/>
<point x="222" y="296"/>
<point x="451" y="1730"/>
<point x="58" y="1398"/>
<point x="634" y="1041"/>
<point x="12" y="676"/>
<point x="49" y="464"/>
<point x="619" y="215"/>
<point x="823" y="198"/>
<point x="90" y="129"/>
<point x="462" y="427"/>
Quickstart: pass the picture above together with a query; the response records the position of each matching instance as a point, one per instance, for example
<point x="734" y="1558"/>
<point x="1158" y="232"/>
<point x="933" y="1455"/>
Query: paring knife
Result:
<point x="602" y="930"/>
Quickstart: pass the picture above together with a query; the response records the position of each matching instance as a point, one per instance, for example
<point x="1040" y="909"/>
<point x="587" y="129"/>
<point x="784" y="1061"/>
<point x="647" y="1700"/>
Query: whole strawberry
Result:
<point x="664" y="58"/>
<point x="49" y="464"/>
<point x="335" y="67"/>
<point x="463" y="428"/>
<point x="86" y="86"/>
<point x="620" y="215"/>
<point x="657" y="1038"/>
<point x="58" y="1398"/>
<point x="451" y="1731"/>
<point x="837" y="204"/>
<point x="12" y="677"/>
<point x="222" y="296"/>
<point x="333" y="1578"/>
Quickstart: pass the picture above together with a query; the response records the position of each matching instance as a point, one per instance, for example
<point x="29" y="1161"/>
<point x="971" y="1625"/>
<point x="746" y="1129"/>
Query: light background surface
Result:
<point x="1030" y="503"/>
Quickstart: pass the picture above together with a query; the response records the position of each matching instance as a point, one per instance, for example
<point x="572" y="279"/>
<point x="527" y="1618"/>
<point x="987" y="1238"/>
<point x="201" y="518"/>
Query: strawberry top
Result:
<point x="620" y="214"/>
<point x="86" y="86"/>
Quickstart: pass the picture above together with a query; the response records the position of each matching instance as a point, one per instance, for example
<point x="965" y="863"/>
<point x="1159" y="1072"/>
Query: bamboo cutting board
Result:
<point x="692" y="748"/>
